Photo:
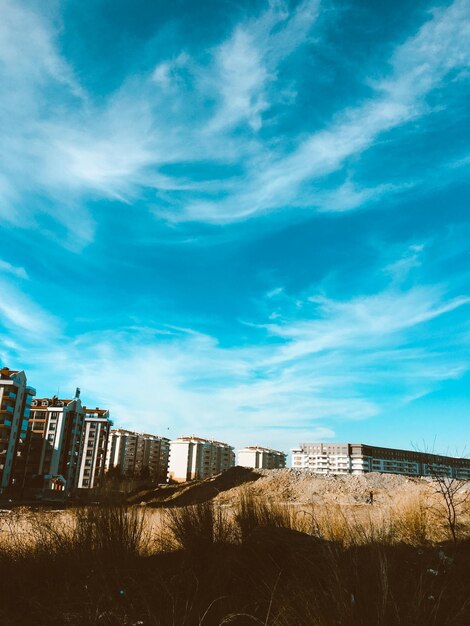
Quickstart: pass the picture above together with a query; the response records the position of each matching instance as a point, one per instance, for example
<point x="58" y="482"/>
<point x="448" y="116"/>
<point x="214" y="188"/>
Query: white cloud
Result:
<point x="242" y="76"/>
<point x="247" y="62"/>
<point x="166" y="73"/>
<point x="8" y="268"/>
<point x="370" y="322"/>
<point x="75" y="149"/>
<point x="409" y="261"/>
<point x="418" y="67"/>
<point x="23" y="317"/>
<point x="326" y="361"/>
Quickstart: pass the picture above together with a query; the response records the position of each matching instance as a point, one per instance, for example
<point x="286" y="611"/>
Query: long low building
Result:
<point x="359" y="458"/>
<point x="258" y="457"/>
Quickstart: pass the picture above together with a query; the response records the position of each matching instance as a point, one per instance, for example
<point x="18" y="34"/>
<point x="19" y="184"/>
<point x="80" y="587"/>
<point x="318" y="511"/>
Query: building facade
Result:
<point x="96" y="428"/>
<point x="350" y="458"/>
<point x="194" y="458"/>
<point x="15" y="404"/>
<point x="258" y="457"/>
<point x="51" y="449"/>
<point x="138" y="454"/>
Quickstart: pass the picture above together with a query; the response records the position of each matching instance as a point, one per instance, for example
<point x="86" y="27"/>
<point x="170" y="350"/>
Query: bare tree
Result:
<point x="454" y="490"/>
<point x="454" y="494"/>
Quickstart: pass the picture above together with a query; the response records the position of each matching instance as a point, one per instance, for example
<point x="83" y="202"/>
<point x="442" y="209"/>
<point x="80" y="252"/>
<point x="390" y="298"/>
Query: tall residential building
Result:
<point x="258" y="457"/>
<point x="96" y="427"/>
<point x="138" y="454"/>
<point x="152" y="456"/>
<point x="15" y="402"/>
<point x="195" y="458"/>
<point x="53" y="443"/>
<point x="352" y="458"/>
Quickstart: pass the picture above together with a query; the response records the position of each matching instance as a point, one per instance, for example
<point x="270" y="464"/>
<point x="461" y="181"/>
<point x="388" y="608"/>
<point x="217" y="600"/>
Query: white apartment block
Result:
<point x="194" y="458"/>
<point x="96" y="427"/>
<point x="258" y="457"/>
<point x="15" y="402"/>
<point x="137" y="454"/>
<point x="350" y="458"/>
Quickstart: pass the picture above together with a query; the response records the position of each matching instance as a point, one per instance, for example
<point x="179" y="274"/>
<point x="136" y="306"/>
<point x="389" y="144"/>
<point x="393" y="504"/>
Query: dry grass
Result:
<point x="255" y="563"/>
<point x="251" y="513"/>
<point x="198" y="527"/>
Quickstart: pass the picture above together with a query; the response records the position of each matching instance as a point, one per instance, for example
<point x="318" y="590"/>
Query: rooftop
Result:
<point x="263" y="449"/>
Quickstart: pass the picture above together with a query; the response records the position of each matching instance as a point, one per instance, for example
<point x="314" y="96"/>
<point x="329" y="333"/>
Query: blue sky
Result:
<point x="244" y="220"/>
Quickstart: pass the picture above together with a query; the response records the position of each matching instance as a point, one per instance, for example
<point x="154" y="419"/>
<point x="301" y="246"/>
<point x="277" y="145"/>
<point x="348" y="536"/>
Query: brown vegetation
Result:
<point x="253" y="562"/>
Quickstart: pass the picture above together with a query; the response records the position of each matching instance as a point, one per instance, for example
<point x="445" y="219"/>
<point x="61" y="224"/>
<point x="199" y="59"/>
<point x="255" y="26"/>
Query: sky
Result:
<point x="245" y="220"/>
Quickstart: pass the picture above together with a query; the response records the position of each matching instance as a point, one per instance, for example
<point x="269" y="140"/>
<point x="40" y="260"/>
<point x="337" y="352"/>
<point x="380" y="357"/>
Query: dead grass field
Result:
<point x="279" y="551"/>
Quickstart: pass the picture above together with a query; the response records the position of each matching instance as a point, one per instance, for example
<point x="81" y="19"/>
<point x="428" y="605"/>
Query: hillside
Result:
<point x="289" y="486"/>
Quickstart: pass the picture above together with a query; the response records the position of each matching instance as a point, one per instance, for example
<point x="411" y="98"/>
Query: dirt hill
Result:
<point x="289" y="486"/>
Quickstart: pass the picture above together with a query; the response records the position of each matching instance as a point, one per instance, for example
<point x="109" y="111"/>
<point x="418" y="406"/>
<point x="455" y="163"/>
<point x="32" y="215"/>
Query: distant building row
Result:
<point x="59" y="444"/>
<point x="352" y="458"/>
<point x="183" y="459"/>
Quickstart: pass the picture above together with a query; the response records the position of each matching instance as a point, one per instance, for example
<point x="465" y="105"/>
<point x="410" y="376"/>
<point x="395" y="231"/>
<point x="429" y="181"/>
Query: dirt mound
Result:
<point x="289" y="486"/>
<point x="197" y="491"/>
<point x="306" y="487"/>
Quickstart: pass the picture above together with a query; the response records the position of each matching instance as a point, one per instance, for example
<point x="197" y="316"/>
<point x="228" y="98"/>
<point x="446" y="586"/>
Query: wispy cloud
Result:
<point x="8" y="268"/>
<point x="23" y="318"/>
<point x="247" y="62"/>
<point x="418" y="66"/>
<point x="322" y="361"/>
<point x="63" y="148"/>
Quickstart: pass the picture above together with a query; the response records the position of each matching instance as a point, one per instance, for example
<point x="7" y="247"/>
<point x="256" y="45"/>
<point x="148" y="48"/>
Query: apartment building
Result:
<point x="262" y="458"/>
<point x="195" y="458"/>
<point x="138" y="454"/>
<point x="52" y="446"/>
<point x="152" y="456"/>
<point x="350" y="458"/>
<point x="96" y="428"/>
<point x="15" y="403"/>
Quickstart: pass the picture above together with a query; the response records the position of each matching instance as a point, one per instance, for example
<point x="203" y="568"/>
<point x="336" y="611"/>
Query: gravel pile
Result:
<point x="305" y="486"/>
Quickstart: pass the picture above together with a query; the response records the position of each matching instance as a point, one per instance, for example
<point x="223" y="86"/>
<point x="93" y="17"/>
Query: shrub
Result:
<point x="251" y="513"/>
<point x="198" y="527"/>
<point x="412" y="522"/>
